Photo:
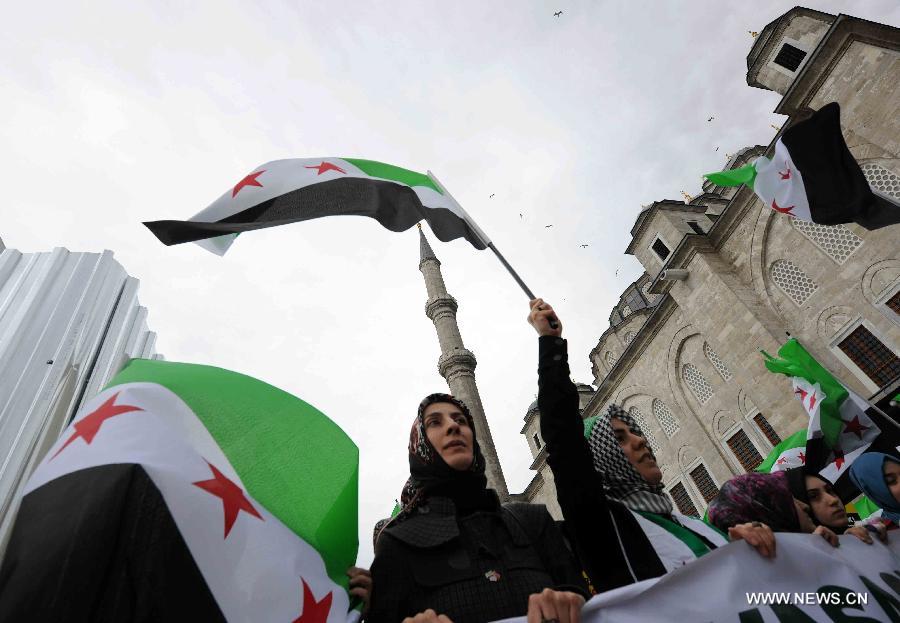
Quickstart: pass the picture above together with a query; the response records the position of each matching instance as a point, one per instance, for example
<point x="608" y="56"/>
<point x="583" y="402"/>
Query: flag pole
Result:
<point x="487" y="242"/>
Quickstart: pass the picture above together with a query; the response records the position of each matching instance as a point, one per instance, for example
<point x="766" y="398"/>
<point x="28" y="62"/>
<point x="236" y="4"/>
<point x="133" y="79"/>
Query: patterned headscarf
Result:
<point x="428" y="470"/>
<point x="867" y="473"/>
<point x="621" y="481"/>
<point x="755" y="497"/>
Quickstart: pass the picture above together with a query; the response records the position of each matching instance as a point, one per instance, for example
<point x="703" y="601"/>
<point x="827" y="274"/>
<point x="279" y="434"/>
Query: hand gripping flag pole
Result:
<point x="487" y="242"/>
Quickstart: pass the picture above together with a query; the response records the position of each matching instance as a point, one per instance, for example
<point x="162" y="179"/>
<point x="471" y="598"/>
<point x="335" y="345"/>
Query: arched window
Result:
<point x="836" y="241"/>
<point x="699" y="385"/>
<point x="767" y="429"/>
<point x="717" y="363"/>
<point x="639" y="418"/>
<point x="793" y="281"/>
<point x="666" y="420"/>
<point x="611" y="359"/>
<point x="683" y="500"/>
<point x="629" y="336"/>
<point x="626" y="310"/>
<point x="881" y="179"/>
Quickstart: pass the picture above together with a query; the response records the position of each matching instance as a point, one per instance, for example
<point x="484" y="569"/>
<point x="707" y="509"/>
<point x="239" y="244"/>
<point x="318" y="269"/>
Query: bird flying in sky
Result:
<point x="557" y="14"/>
<point x="710" y="119"/>
<point x="492" y="195"/>
<point x="584" y="246"/>
<point x="548" y="225"/>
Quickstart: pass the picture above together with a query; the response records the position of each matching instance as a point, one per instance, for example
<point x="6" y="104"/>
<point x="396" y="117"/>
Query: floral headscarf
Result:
<point x="755" y="497"/>
<point x="621" y="481"/>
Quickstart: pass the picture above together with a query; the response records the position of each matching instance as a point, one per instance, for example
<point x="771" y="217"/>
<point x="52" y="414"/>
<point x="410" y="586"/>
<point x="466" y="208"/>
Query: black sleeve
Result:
<point x="579" y="488"/>
<point x="558" y="559"/>
<point x="391" y="582"/>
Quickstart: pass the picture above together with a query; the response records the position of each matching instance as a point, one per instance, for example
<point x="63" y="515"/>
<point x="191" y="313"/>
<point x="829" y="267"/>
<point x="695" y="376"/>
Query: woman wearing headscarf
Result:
<point x="826" y="508"/>
<point x="454" y="553"/>
<point x="759" y="497"/>
<point x="623" y="526"/>
<point x="878" y="476"/>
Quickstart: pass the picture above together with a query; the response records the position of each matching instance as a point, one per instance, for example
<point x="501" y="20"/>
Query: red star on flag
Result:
<point x="801" y="392"/>
<point x="326" y="166"/>
<point x="802" y="457"/>
<point x="838" y="457"/>
<point x="786" y="175"/>
<point x="786" y="210"/>
<point x="88" y="426"/>
<point x="812" y="401"/>
<point x="233" y="499"/>
<point x="250" y="180"/>
<point x="854" y="426"/>
<point x="781" y="461"/>
<point x="313" y="611"/>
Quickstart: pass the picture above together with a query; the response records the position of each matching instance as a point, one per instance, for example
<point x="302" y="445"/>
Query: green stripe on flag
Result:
<point x="589" y="425"/>
<point x="733" y="177"/>
<point x="797" y="440"/>
<point x="681" y="533"/>
<point x="291" y="458"/>
<point x="395" y="174"/>
<point x="795" y="361"/>
<point x="865" y="507"/>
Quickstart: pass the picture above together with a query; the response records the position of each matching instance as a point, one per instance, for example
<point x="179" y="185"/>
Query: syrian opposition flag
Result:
<point x="789" y="453"/>
<point x="186" y="492"/>
<point x="840" y="424"/>
<point x="299" y="189"/>
<point x="813" y="177"/>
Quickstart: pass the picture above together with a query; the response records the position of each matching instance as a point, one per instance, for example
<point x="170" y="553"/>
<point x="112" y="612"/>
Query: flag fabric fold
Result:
<point x="812" y="176"/>
<point x="300" y="189"/>
<point x="840" y="427"/>
<point x="189" y="486"/>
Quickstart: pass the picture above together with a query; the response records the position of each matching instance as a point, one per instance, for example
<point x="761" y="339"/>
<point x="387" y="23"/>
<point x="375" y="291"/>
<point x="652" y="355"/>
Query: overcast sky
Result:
<point x="115" y="113"/>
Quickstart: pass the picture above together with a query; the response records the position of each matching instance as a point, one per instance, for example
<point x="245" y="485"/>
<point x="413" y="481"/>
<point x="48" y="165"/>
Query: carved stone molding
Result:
<point x="440" y="303"/>
<point x="459" y="361"/>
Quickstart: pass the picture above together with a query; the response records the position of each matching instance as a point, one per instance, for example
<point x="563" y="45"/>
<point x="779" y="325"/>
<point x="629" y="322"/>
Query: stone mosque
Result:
<point x="726" y="277"/>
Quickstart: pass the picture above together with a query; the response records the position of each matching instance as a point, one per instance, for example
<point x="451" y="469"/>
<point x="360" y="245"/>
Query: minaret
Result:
<point x="456" y="364"/>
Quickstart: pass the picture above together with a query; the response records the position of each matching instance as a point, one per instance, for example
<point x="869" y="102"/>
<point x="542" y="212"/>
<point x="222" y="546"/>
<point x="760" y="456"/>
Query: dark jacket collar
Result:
<point x="435" y="523"/>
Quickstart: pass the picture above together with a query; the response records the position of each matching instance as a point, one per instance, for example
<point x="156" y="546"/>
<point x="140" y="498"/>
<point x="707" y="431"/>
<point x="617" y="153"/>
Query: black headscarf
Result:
<point x="430" y="475"/>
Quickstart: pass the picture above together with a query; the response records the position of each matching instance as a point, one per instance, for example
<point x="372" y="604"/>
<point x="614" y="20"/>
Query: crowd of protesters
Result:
<point x="454" y="553"/>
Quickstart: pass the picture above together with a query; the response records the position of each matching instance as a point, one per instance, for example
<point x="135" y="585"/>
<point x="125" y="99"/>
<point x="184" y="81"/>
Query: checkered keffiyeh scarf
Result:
<point x="428" y="469"/>
<point x="621" y="481"/>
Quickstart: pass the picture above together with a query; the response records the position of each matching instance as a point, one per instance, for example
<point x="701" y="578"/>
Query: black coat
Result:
<point x="481" y="567"/>
<point x="608" y="539"/>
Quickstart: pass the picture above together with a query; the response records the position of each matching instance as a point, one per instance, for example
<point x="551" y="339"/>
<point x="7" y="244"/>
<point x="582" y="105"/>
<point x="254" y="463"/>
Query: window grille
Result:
<point x="717" y="363"/>
<point x="881" y="179"/>
<point x="699" y="385"/>
<point x="745" y="451"/>
<point x="626" y="310"/>
<point x="767" y="429"/>
<point x="639" y="418"/>
<point x="704" y="482"/>
<point x="793" y="281"/>
<point x="646" y="290"/>
<point x="667" y="421"/>
<point x="629" y="337"/>
<point x="659" y="247"/>
<point x="611" y="359"/>
<point x="683" y="500"/>
<point x="876" y="360"/>
<point x="836" y="241"/>
<point x="893" y="303"/>
<point x="790" y="57"/>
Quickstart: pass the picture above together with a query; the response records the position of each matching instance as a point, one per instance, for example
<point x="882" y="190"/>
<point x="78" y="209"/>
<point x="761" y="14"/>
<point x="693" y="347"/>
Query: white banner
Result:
<point x="734" y="584"/>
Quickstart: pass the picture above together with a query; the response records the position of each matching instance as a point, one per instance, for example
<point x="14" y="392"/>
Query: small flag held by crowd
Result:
<point x="812" y="176"/>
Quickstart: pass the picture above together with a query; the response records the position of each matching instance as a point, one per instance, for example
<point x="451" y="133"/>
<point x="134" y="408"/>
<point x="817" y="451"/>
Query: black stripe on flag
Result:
<point x="395" y="206"/>
<point x="100" y="545"/>
<point x="835" y="186"/>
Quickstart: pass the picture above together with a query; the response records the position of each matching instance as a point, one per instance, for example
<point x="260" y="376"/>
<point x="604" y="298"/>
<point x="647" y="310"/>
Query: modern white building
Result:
<point x="68" y="323"/>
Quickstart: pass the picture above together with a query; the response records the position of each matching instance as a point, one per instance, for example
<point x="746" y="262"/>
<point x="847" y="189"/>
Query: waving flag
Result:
<point x="288" y="191"/>
<point x="789" y="453"/>
<point x="840" y="426"/>
<point x="186" y="492"/>
<point x="813" y="177"/>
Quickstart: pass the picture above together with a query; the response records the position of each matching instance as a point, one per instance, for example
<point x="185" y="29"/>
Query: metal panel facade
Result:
<point x="68" y="323"/>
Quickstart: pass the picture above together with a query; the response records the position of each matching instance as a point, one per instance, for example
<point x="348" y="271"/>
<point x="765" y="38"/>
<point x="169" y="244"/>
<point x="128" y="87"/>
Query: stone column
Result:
<point x="457" y="364"/>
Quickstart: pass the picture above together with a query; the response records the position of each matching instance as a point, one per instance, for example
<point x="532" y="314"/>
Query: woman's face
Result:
<point x="826" y="506"/>
<point x="892" y="478"/>
<point x="803" y="515"/>
<point x="636" y="451"/>
<point x="448" y="431"/>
